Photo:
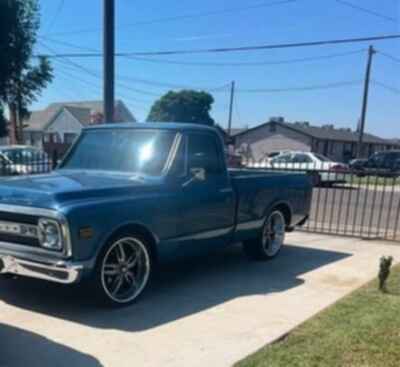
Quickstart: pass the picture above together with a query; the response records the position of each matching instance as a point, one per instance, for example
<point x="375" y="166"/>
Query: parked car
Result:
<point x="326" y="171"/>
<point x="130" y="196"/>
<point x="357" y="163"/>
<point x="21" y="159"/>
<point x="386" y="163"/>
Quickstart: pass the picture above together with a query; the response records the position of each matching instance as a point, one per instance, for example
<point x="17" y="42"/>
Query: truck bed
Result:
<point x="257" y="190"/>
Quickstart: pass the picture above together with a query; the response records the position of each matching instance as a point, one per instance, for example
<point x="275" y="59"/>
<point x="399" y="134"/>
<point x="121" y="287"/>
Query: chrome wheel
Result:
<point x="273" y="233"/>
<point x="125" y="270"/>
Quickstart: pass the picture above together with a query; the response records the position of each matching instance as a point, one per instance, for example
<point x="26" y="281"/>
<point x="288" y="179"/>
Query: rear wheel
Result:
<point x="123" y="270"/>
<point x="268" y="245"/>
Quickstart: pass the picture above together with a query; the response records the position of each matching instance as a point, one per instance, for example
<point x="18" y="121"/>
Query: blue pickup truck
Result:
<point x="130" y="196"/>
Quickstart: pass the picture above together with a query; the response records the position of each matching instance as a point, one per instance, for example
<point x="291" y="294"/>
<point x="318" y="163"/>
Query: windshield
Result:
<point x="323" y="158"/>
<point x="130" y="151"/>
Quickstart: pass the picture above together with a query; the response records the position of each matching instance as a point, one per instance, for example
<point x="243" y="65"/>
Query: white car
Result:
<point x="327" y="172"/>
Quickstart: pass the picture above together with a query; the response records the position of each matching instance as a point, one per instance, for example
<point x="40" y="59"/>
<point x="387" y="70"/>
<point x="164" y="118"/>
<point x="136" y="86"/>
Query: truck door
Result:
<point x="208" y="200"/>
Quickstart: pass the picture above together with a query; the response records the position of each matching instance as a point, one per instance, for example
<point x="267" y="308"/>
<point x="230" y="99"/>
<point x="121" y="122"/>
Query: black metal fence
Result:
<point x="361" y="203"/>
<point x="17" y="162"/>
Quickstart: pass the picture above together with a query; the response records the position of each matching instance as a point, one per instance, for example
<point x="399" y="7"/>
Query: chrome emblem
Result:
<point x="18" y="229"/>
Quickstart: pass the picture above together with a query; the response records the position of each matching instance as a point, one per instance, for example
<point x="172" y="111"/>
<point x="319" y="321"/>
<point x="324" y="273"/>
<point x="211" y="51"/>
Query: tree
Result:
<point x="183" y="106"/>
<point x="21" y="81"/>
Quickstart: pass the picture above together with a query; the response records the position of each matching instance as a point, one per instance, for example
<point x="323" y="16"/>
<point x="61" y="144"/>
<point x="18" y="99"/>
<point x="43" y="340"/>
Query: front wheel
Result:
<point x="123" y="270"/>
<point x="268" y="245"/>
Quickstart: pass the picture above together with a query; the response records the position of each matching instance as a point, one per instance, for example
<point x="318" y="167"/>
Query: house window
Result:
<point x="272" y="128"/>
<point x="326" y="143"/>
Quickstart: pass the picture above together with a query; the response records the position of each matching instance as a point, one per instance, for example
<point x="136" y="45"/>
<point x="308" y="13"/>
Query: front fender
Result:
<point x="104" y="218"/>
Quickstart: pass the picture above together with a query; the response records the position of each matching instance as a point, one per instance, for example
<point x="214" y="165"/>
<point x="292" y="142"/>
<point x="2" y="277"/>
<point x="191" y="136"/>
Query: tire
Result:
<point x="270" y="242"/>
<point x="123" y="270"/>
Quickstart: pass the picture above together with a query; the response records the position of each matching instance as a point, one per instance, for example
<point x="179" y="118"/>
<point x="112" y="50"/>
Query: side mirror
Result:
<point x="196" y="174"/>
<point x="199" y="174"/>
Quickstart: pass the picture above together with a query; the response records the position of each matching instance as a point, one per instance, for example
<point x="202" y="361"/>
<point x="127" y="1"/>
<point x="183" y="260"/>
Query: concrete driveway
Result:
<point x="211" y="312"/>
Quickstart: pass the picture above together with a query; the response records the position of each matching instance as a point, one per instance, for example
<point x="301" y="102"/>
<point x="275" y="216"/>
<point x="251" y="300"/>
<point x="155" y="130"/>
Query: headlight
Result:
<point x="50" y="234"/>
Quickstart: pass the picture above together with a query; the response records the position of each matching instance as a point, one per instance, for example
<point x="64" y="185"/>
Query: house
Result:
<point x="339" y="144"/>
<point x="56" y="127"/>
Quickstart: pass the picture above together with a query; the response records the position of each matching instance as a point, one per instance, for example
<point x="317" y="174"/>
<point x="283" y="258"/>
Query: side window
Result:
<point x="378" y="159"/>
<point x="203" y="153"/>
<point x="302" y="158"/>
<point x="284" y="158"/>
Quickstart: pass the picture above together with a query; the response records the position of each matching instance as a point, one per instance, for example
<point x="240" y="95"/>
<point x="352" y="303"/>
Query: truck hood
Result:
<point x="52" y="190"/>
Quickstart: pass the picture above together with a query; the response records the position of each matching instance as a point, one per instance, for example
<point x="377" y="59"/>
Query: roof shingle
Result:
<point x="328" y="132"/>
<point x="81" y="110"/>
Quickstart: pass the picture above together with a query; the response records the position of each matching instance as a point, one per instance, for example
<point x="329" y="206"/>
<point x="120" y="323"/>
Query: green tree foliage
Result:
<point x="183" y="106"/>
<point x="21" y="81"/>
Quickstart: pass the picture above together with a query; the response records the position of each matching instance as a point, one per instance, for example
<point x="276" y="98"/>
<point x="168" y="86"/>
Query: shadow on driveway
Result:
<point x="180" y="290"/>
<point x="21" y="348"/>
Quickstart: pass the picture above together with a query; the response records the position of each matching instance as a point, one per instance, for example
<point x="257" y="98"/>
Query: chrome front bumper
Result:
<point x="58" y="271"/>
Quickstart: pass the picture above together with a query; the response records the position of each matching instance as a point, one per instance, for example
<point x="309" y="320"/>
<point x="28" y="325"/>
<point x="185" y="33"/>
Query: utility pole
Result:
<point x="231" y="107"/>
<point x="371" y="52"/>
<point x="108" y="59"/>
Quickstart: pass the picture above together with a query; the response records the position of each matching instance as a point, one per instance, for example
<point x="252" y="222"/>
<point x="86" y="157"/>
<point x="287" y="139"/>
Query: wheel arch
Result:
<point x="284" y="207"/>
<point x="133" y="228"/>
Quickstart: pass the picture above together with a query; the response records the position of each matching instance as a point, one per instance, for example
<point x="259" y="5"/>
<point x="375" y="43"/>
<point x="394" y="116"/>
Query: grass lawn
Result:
<point x="363" y="329"/>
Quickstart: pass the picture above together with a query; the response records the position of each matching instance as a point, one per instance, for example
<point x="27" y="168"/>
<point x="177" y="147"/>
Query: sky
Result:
<point x="72" y="26"/>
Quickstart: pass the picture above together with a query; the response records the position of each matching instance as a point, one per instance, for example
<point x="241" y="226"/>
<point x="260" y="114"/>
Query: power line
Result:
<point x="189" y="63"/>
<point x="257" y="90"/>
<point x="97" y="74"/>
<point x="393" y="58"/>
<point x="302" y="88"/>
<point x="257" y="63"/>
<point x="174" y="86"/>
<point x="230" y="49"/>
<point x="133" y="101"/>
<point x="386" y="86"/>
<point x="186" y="16"/>
<point x="56" y="14"/>
<point x="368" y="11"/>
<point x="94" y="85"/>
<point x="68" y="44"/>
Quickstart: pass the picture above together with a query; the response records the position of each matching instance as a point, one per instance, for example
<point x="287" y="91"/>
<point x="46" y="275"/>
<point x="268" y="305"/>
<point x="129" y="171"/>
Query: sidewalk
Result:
<point x="211" y="312"/>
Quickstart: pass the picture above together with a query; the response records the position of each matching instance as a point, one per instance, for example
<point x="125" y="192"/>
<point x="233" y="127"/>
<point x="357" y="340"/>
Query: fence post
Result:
<point x="54" y="160"/>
